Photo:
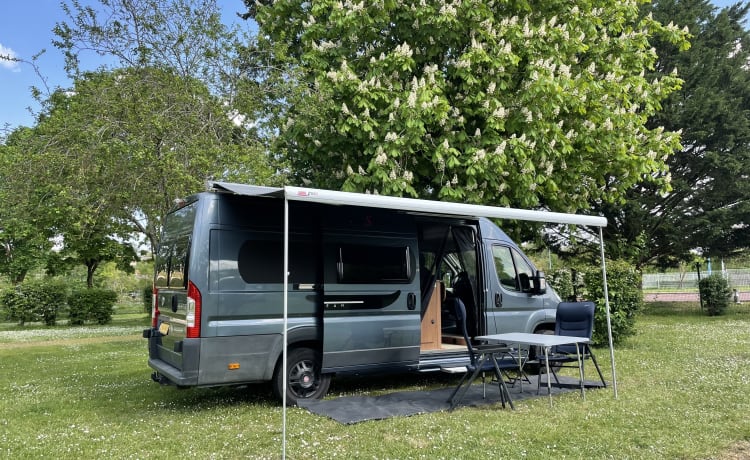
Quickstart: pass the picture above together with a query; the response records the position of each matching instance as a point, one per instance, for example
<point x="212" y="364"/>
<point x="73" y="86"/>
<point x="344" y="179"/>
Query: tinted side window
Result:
<point x="509" y="264"/>
<point x="504" y="267"/>
<point x="262" y="262"/>
<point x="373" y="264"/>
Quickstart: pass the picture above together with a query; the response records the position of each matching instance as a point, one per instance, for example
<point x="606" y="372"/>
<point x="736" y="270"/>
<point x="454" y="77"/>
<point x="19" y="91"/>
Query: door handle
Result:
<point x="498" y="300"/>
<point x="411" y="301"/>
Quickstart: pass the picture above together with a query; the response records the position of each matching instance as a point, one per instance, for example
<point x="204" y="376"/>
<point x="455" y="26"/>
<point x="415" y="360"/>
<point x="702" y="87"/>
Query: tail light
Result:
<point x="155" y="307"/>
<point x="193" y="314"/>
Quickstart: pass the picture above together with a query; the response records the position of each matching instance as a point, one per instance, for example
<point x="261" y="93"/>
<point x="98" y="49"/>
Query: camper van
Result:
<point x="369" y="285"/>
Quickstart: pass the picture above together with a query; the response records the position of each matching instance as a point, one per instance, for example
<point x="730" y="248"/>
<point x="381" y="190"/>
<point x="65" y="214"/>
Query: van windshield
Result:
<point x="172" y="258"/>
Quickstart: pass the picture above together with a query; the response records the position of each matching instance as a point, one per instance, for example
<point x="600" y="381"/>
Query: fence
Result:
<point x="738" y="279"/>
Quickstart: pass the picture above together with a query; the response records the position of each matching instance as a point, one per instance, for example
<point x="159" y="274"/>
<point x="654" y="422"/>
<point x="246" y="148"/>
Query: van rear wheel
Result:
<point x="304" y="379"/>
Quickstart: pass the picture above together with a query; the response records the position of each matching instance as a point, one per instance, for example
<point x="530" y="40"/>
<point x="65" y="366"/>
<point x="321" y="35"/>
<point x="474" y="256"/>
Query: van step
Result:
<point x="454" y="339"/>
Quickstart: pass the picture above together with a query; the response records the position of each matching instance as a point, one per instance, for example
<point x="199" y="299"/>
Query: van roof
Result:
<point x="441" y="208"/>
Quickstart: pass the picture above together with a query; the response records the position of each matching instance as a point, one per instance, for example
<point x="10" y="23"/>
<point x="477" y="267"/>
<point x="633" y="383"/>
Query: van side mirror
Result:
<point x="540" y="283"/>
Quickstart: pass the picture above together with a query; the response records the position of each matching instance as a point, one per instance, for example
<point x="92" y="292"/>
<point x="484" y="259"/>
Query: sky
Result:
<point x="26" y="29"/>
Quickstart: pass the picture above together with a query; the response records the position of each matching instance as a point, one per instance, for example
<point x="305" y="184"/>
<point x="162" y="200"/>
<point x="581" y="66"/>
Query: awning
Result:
<point x="443" y="208"/>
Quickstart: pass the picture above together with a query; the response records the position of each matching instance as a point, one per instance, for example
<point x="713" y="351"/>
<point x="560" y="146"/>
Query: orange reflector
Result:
<point x="234" y="366"/>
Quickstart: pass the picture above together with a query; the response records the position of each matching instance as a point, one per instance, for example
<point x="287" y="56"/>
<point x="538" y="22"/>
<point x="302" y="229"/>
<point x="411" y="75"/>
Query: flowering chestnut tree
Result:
<point x="498" y="102"/>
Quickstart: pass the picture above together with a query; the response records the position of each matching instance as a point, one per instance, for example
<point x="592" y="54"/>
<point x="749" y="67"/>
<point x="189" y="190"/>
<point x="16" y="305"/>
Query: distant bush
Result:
<point x="148" y="300"/>
<point x="91" y="305"/>
<point x="715" y="293"/>
<point x="562" y="280"/>
<point x="625" y="296"/>
<point x="34" y="301"/>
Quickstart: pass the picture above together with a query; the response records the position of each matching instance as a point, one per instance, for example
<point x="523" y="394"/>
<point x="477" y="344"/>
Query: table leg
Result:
<point x="549" y="382"/>
<point x="580" y="369"/>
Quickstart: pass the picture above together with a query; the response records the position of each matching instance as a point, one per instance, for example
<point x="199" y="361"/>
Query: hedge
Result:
<point x="34" y="301"/>
<point x="91" y="305"/>
<point x="625" y="296"/>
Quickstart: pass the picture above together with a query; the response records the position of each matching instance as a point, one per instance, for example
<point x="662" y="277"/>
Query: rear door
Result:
<point x="371" y="309"/>
<point x="172" y="262"/>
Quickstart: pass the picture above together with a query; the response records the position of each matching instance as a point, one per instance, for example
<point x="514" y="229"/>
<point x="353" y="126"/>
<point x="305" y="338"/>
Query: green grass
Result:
<point x="682" y="380"/>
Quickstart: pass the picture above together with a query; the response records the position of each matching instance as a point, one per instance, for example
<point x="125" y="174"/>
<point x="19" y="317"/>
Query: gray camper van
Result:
<point x="368" y="290"/>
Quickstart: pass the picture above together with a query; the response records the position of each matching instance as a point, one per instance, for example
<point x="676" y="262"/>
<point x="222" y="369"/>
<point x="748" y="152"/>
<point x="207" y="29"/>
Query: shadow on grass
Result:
<point x="260" y="394"/>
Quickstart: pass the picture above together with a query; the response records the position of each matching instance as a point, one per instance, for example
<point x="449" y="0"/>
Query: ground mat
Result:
<point x="354" y="409"/>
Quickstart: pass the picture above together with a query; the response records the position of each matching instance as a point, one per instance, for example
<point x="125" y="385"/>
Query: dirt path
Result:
<point x="738" y="451"/>
<point x="684" y="297"/>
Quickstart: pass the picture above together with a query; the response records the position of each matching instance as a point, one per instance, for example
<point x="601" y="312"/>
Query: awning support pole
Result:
<point x="285" y="327"/>
<point x="609" y="321"/>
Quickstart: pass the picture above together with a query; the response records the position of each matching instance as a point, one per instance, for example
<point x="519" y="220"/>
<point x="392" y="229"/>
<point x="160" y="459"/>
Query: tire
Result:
<point x="304" y="380"/>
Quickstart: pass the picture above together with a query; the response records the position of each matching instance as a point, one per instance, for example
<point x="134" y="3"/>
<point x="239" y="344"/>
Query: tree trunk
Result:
<point x="91" y="266"/>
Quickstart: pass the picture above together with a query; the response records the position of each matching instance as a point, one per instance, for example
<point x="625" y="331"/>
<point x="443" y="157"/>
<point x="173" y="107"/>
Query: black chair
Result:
<point x="574" y="319"/>
<point x="483" y="359"/>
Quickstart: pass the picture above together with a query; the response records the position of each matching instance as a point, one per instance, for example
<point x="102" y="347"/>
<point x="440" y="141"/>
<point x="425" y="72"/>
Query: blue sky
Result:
<point x="26" y="28"/>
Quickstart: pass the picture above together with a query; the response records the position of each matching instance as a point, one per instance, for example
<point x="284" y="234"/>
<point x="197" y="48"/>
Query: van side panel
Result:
<point x="371" y="295"/>
<point x="245" y="284"/>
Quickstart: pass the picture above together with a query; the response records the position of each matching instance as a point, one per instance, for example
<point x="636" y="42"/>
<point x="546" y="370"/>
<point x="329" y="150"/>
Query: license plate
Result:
<point x="164" y="328"/>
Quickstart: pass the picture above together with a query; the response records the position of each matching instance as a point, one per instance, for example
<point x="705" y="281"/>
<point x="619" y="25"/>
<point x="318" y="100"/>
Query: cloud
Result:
<point x="8" y="64"/>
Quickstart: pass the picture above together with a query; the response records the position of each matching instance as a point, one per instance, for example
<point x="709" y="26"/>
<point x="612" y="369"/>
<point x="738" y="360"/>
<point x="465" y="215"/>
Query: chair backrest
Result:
<point x="463" y="290"/>
<point x="575" y="319"/>
<point x="460" y="310"/>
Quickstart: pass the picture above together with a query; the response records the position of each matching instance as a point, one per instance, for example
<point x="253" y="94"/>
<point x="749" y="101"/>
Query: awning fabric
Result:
<point x="336" y="198"/>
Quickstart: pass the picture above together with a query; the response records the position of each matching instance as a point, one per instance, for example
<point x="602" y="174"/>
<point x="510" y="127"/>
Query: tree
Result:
<point x="172" y="117"/>
<point x="24" y="233"/>
<point x="476" y="101"/>
<point x="709" y="205"/>
<point x="111" y="154"/>
<point x="187" y="37"/>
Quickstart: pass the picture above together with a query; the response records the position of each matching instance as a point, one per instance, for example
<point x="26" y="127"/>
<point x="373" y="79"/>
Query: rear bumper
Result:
<point x="171" y="374"/>
<point x="167" y="372"/>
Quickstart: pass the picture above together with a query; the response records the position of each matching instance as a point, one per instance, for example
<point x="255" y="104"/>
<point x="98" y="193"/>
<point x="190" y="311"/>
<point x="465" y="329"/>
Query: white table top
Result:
<point x="542" y="340"/>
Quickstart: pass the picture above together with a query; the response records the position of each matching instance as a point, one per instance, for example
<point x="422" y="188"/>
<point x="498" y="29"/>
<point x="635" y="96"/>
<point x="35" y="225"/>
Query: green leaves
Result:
<point x="475" y="101"/>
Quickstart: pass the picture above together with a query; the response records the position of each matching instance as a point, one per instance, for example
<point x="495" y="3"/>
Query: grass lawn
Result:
<point x="683" y="384"/>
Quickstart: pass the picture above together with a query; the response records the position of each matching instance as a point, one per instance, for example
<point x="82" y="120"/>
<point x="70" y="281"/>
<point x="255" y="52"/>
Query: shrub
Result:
<point x="35" y="301"/>
<point x="15" y="306"/>
<point x="625" y="296"/>
<point x="625" y="299"/>
<point x="148" y="300"/>
<point x="715" y="293"/>
<point x="91" y="305"/>
<point x="563" y="283"/>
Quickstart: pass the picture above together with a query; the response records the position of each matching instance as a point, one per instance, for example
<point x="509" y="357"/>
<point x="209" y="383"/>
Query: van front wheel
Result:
<point x="304" y="380"/>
